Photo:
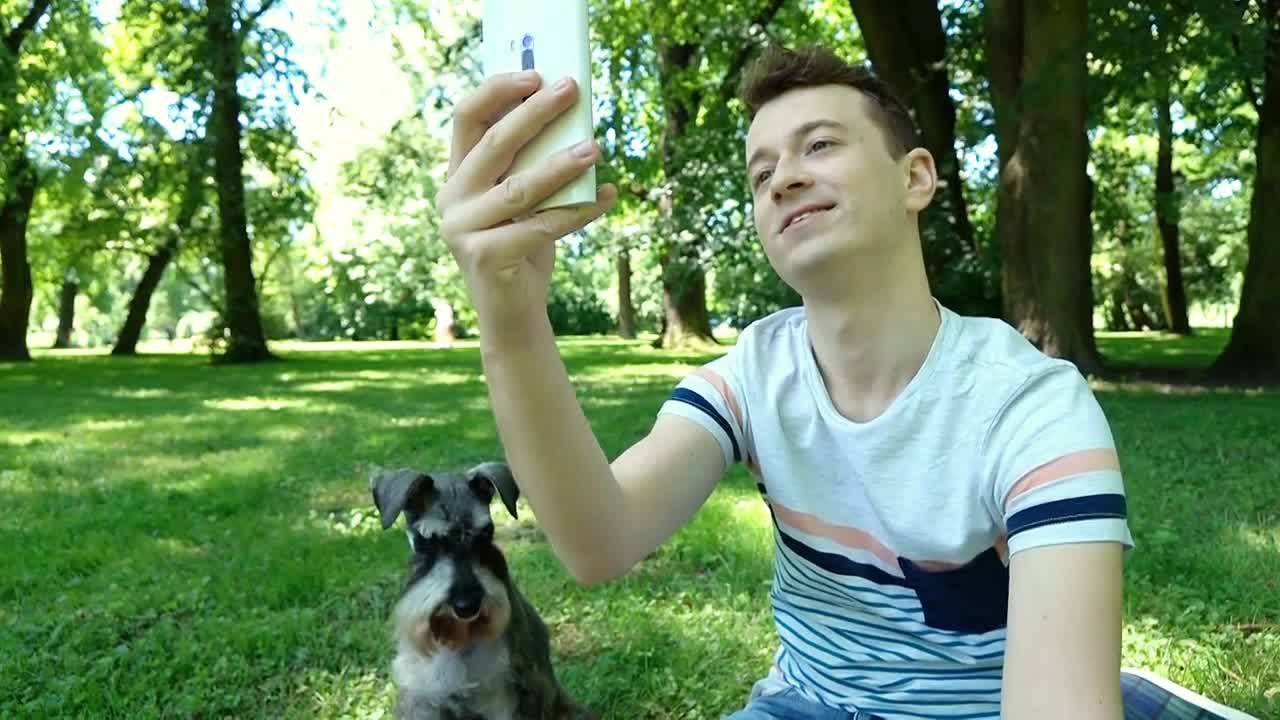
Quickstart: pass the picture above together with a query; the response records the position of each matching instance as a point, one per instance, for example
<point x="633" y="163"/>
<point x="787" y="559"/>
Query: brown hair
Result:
<point x="779" y="70"/>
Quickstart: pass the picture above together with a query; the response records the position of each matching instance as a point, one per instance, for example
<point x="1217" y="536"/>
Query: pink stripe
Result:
<point x="1081" y="461"/>
<point x="725" y="391"/>
<point x="731" y="400"/>
<point x="847" y="536"/>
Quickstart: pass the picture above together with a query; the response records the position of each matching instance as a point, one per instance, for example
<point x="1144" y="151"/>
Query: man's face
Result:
<point x="825" y="188"/>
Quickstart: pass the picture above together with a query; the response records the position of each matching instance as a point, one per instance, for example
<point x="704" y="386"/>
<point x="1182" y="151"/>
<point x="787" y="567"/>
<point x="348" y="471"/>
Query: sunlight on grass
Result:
<point x="31" y="437"/>
<point x="105" y="425"/>
<point x="255" y="403"/>
<point x="141" y="393"/>
<point x="1263" y="539"/>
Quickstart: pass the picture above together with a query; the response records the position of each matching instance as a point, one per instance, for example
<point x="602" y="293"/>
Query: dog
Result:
<point x="469" y="646"/>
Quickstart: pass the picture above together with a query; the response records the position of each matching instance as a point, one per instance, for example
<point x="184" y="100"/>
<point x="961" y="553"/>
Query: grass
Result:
<point x="1163" y="351"/>
<point x="184" y="540"/>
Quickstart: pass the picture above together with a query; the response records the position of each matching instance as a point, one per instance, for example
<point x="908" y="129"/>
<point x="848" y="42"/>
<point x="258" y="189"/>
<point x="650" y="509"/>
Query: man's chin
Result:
<point x="812" y="266"/>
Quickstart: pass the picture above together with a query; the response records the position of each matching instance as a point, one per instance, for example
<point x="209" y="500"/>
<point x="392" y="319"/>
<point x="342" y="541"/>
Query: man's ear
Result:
<point x="487" y="477"/>
<point x="921" y="178"/>
<point x="394" y="489"/>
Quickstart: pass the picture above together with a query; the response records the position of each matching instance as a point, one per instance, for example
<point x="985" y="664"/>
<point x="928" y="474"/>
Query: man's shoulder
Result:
<point x="995" y="351"/>
<point x="770" y="337"/>
<point x="777" y="323"/>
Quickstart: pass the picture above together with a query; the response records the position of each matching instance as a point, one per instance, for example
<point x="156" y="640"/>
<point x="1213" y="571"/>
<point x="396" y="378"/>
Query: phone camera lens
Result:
<point x="526" y="42"/>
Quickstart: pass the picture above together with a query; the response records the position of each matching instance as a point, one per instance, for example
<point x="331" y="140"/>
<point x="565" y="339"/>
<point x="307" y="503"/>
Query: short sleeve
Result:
<point x="1054" y="467"/>
<point x="711" y="398"/>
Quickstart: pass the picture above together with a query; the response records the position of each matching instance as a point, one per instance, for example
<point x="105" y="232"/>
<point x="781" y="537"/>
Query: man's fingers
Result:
<point x="481" y="109"/>
<point x="504" y="244"/>
<point x="490" y="157"/>
<point x="520" y="193"/>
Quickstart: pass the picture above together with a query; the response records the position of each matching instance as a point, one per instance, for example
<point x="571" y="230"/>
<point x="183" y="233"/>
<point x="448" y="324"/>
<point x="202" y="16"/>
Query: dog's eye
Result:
<point x="485" y="535"/>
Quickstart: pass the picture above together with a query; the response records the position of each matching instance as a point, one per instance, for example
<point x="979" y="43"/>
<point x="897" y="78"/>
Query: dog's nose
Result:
<point x="466" y="605"/>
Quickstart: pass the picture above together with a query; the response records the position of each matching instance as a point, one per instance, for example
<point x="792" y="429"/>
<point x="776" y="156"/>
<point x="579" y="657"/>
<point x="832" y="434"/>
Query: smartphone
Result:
<point x="551" y="37"/>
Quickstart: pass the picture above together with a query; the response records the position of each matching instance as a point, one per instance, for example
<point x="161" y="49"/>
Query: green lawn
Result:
<point x="185" y="540"/>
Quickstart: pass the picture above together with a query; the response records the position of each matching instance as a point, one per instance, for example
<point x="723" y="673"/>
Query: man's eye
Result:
<point x="762" y="176"/>
<point x="817" y="145"/>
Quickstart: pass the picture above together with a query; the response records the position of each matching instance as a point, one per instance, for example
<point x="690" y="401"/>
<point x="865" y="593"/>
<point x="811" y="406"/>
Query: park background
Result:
<point x="221" y="267"/>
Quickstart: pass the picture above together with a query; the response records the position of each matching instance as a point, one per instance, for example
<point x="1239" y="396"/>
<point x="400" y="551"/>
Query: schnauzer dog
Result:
<point x="469" y="645"/>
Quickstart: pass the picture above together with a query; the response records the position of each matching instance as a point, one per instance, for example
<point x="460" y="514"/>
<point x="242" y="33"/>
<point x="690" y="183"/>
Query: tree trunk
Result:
<point x="66" y="313"/>
<point x="247" y="342"/>
<point x="17" y="196"/>
<point x="16" y="292"/>
<point x="684" y="297"/>
<point x="140" y="304"/>
<point x="907" y="47"/>
<point x="1035" y="55"/>
<point x="626" y="309"/>
<point x="1253" y="352"/>
<point x="1168" y="208"/>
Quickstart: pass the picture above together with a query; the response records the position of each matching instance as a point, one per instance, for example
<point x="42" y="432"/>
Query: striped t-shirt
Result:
<point x="893" y="536"/>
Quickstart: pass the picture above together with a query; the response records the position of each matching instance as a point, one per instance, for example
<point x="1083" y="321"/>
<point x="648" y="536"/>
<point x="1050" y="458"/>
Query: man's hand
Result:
<point x="505" y="254"/>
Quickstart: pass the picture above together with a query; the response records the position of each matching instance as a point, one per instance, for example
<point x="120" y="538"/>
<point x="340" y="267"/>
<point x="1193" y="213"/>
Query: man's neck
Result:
<point x="870" y="339"/>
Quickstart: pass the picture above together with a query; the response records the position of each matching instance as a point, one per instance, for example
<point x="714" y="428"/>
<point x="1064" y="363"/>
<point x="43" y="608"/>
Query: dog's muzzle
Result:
<point x="453" y="605"/>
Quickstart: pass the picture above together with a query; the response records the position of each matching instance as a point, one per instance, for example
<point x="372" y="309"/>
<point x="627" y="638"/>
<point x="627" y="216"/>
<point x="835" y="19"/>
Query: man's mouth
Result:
<point x="804" y="215"/>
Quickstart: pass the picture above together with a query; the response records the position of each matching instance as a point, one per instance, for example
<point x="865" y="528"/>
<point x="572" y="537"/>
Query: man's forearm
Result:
<point x="551" y="448"/>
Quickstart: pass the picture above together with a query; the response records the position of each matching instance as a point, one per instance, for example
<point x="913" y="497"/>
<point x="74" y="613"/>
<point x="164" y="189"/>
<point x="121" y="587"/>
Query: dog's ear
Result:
<point x="394" y="489"/>
<point x="487" y="477"/>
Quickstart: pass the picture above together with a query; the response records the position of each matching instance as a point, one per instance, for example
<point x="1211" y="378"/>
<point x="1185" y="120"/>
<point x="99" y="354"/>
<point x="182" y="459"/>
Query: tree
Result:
<point x="908" y="49"/>
<point x="1140" y="51"/>
<point x="1168" y="207"/>
<point x="1035" y="55"/>
<point x="1254" y="347"/>
<point x="15" y="301"/>
<point x="18" y="192"/>
<point x="246" y="342"/>
<point x="191" y="191"/>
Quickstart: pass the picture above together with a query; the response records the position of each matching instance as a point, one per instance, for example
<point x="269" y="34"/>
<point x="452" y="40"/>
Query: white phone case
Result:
<point x="550" y="36"/>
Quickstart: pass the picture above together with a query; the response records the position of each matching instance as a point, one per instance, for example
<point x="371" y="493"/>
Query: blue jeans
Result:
<point x="790" y="705"/>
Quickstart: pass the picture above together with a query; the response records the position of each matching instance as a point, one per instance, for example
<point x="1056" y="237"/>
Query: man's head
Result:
<point x="835" y="164"/>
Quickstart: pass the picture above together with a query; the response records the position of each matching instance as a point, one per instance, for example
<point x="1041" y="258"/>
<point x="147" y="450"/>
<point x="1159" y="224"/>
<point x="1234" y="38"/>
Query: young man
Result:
<point x="948" y="508"/>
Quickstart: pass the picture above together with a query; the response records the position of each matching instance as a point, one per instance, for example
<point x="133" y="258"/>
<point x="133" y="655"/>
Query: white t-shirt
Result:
<point x="892" y="537"/>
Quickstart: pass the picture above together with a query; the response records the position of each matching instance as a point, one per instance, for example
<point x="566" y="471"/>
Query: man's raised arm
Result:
<point x="600" y="518"/>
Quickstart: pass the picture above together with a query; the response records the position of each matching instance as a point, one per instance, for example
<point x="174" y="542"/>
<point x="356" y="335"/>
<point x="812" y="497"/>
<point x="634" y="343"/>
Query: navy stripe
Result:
<point x="841" y="565"/>
<point x="860" y="644"/>
<point x="855" y="636"/>
<point x="868" y="703"/>
<point x="685" y="395"/>
<point x="892" y="625"/>
<point x="1089" y="507"/>
<point x="795" y="579"/>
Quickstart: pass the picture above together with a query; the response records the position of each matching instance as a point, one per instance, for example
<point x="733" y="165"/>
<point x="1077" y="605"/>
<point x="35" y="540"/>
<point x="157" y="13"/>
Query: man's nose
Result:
<point x="788" y="178"/>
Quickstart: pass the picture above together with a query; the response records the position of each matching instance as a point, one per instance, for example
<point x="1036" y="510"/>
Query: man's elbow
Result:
<point x="597" y="570"/>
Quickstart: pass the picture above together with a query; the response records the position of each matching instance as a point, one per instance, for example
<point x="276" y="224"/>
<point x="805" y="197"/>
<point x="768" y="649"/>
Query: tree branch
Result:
<point x="729" y="85"/>
<point x="1250" y="92"/>
<point x="266" y="267"/>
<point x="13" y="41"/>
<point x="190" y="281"/>
<point x="248" y="23"/>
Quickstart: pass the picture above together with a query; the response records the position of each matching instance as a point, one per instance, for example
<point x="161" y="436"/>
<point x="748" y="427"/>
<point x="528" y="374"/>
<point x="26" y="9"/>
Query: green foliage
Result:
<point x="114" y="198"/>
<point x="575" y="306"/>
<point x="1139" y="47"/>
<point x="230" y="563"/>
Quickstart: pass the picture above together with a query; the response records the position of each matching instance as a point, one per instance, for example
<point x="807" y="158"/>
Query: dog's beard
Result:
<point x="425" y="620"/>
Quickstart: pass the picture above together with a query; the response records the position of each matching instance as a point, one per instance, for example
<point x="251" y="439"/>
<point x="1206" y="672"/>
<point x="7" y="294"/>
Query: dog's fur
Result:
<point x="469" y="645"/>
